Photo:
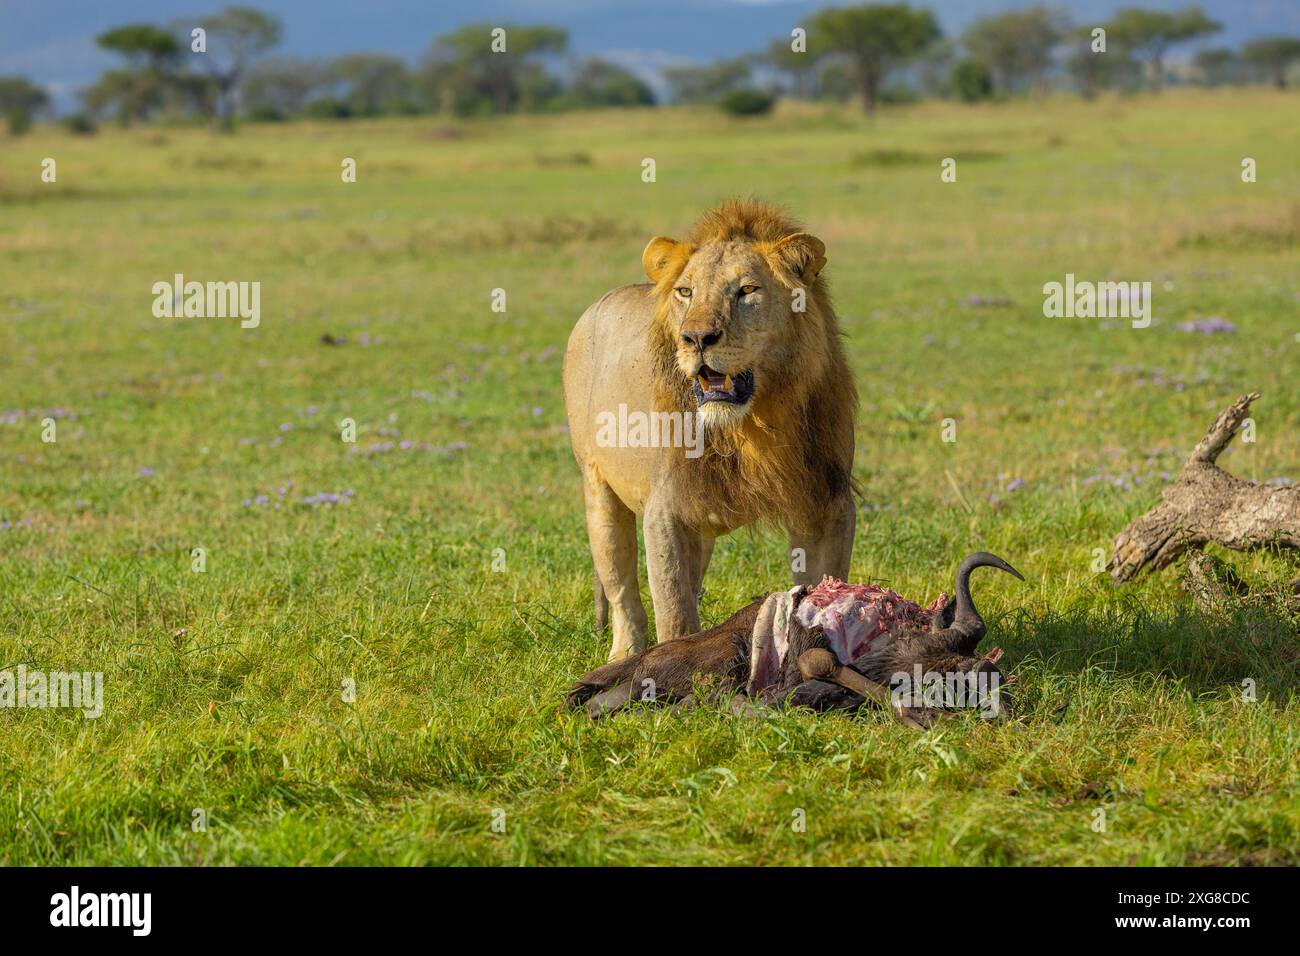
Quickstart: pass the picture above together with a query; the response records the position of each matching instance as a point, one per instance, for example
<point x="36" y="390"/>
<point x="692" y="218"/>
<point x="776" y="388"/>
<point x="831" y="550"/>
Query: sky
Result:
<point x="53" y="41"/>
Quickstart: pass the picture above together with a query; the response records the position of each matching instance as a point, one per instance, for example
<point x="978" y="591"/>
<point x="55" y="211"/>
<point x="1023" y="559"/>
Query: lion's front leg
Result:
<point x="611" y="532"/>
<point x="674" y="562"/>
<point x="827" y="551"/>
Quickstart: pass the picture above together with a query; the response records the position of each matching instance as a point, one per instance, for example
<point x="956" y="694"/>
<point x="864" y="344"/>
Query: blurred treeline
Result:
<point x="223" y="68"/>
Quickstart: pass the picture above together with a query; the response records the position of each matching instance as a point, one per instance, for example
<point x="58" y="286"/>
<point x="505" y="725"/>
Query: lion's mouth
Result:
<point x="711" y="386"/>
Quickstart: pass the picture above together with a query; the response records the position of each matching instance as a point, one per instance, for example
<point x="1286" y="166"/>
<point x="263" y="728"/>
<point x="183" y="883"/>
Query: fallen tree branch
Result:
<point x="1215" y="587"/>
<point x="1205" y="504"/>
<point x="1212" y="584"/>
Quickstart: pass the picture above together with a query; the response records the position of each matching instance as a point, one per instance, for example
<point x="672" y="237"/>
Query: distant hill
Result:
<point x="52" y="41"/>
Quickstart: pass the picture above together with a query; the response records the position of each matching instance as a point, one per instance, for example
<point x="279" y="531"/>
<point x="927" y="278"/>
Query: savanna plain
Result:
<point x="439" y="564"/>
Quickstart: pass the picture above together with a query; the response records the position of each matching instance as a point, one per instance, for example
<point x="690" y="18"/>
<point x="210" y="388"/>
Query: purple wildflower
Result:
<point x="1208" y="326"/>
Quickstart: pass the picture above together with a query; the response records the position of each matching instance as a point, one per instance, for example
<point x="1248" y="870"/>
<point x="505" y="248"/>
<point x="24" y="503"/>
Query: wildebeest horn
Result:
<point x="966" y="619"/>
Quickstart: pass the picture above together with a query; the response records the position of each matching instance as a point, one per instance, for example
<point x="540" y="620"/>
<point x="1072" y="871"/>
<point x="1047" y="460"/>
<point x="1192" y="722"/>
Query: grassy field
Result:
<point x="372" y="562"/>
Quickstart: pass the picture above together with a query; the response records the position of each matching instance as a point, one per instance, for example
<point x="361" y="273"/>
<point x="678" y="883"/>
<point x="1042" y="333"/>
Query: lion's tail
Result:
<point x="601" y="602"/>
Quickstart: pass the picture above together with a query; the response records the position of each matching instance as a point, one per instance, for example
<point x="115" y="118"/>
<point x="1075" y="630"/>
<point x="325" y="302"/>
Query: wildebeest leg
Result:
<point x="611" y="532"/>
<point x="668" y="672"/>
<point x="603" y="678"/>
<point x="608" y="701"/>
<point x="819" y="695"/>
<point x="820" y="663"/>
<point x="827" y="551"/>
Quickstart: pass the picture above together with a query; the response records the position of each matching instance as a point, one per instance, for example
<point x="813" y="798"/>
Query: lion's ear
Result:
<point x="661" y="255"/>
<point x="802" y="254"/>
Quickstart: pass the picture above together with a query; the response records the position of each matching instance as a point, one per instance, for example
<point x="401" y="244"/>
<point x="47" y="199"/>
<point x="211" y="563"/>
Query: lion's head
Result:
<point x="742" y="307"/>
<point x="745" y="337"/>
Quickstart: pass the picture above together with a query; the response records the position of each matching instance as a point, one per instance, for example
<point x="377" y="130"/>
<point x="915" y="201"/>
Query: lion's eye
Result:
<point x="683" y="291"/>
<point x="748" y="289"/>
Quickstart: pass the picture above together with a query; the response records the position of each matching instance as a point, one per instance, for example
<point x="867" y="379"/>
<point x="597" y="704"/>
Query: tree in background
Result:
<point x="971" y="81"/>
<point x="748" y="102"/>
<point x="874" y="38"/>
<point x="279" y="88"/>
<point x="835" y="80"/>
<point x="601" y="83"/>
<point x="1082" y="62"/>
<point x="1274" y="56"/>
<point x="1094" y="71"/>
<point x="798" y="68"/>
<point x="20" y="101"/>
<point x="141" y="89"/>
<point x="444" y="83"/>
<point x="934" y="67"/>
<point x="1150" y="34"/>
<point x="1017" y="46"/>
<point x="482" y="68"/>
<point x="539" y="88"/>
<point x="144" y="46"/>
<point x="372" y="84"/>
<point x="708" y="83"/>
<point x="1218" y="66"/>
<point x="235" y="38"/>
<point x="464" y="74"/>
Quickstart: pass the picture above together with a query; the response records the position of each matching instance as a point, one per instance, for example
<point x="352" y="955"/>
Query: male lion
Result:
<point x="735" y="334"/>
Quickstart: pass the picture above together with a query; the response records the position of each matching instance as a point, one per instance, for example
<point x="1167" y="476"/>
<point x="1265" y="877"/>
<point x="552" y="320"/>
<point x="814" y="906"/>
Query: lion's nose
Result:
<point x="701" y="339"/>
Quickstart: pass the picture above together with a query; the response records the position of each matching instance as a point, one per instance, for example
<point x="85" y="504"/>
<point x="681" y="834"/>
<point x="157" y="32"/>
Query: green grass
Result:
<point x="223" y="688"/>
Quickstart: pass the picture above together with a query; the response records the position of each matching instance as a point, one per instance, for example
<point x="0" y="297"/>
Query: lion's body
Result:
<point x="781" y="456"/>
<point x="607" y="364"/>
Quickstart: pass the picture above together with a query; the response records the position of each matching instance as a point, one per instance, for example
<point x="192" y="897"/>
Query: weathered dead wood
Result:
<point x="1211" y="583"/>
<point x="1215" y="587"/>
<point x="1205" y="504"/>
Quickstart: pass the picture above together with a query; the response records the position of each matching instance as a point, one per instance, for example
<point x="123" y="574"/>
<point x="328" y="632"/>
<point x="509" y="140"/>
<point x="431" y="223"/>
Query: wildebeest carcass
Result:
<point x="832" y="647"/>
